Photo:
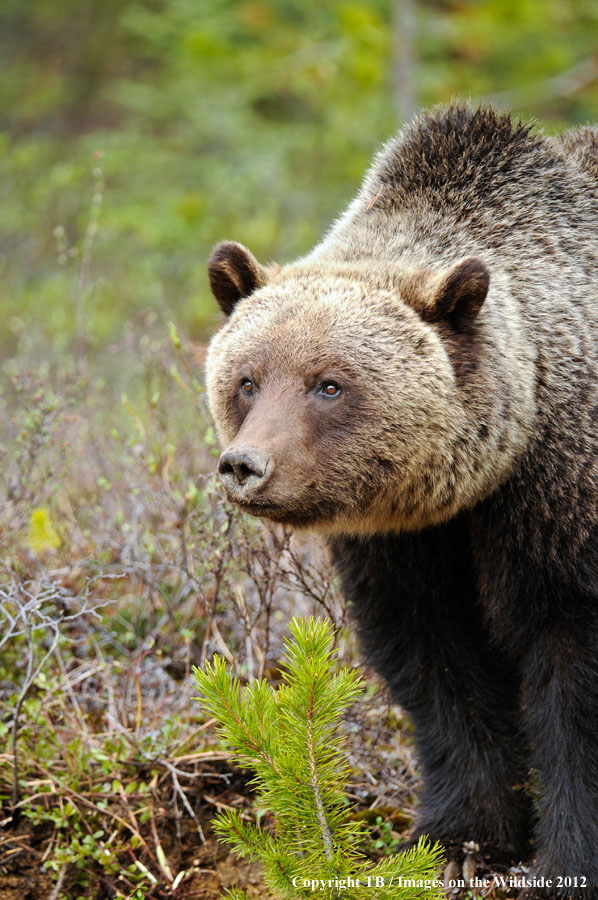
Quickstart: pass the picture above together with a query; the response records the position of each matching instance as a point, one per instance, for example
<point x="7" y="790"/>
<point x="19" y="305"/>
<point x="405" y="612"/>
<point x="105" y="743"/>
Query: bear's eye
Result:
<point x="247" y="386"/>
<point x="330" y="389"/>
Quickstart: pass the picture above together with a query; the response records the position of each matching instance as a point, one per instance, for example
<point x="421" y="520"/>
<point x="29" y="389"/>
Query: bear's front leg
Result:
<point x="471" y="751"/>
<point x="560" y="707"/>
<point x="413" y="599"/>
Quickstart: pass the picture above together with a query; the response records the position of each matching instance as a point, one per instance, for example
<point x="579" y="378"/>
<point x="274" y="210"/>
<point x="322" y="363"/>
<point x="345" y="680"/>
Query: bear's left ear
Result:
<point x="455" y="295"/>
<point x="234" y="273"/>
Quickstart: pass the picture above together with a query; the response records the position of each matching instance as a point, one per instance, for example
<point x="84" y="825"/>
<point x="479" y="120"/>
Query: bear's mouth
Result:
<point x="273" y="511"/>
<point x="259" y="509"/>
<point x="293" y="515"/>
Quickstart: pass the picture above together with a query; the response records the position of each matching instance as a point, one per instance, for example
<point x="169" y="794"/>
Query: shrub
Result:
<point x="289" y="736"/>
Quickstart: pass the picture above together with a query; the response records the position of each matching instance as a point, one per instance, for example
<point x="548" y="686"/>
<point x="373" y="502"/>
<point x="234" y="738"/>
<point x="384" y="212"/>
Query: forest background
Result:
<point x="135" y="134"/>
<point x="215" y="118"/>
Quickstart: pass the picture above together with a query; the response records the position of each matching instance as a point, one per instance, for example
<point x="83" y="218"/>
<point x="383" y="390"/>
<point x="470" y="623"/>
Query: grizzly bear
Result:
<point x="422" y="389"/>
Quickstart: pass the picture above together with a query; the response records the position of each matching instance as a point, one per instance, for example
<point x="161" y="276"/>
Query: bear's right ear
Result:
<point x="234" y="273"/>
<point x="455" y="295"/>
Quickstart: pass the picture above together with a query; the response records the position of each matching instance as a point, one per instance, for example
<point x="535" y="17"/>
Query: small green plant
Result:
<point x="384" y="842"/>
<point x="289" y="737"/>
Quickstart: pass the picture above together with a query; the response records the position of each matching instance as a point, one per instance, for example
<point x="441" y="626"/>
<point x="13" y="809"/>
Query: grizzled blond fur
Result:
<point x="446" y="419"/>
<point x="450" y="317"/>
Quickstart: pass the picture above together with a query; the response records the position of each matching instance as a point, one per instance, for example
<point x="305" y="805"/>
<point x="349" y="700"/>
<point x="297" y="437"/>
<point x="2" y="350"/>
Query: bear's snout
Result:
<point x="244" y="472"/>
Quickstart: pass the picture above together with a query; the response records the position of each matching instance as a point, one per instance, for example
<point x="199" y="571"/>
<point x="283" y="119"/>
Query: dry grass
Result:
<point x="122" y="568"/>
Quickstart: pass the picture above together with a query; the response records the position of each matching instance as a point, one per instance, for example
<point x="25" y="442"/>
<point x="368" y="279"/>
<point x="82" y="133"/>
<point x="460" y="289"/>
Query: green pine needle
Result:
<point x="289" y="738"/>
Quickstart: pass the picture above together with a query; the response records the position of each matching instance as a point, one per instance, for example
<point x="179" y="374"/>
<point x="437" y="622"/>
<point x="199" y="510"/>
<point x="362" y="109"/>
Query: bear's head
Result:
<point x="352" y="400"/>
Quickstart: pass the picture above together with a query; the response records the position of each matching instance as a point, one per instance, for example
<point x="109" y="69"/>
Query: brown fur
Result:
<point x="466" y="185"/>
<point x="455" y="305"/>
<point x="580" y="145"/>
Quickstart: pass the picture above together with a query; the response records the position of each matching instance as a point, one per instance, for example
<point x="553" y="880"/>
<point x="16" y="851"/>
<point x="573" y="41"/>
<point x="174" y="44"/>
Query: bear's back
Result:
<point x="580" y="146"/>
<point x="490" y="176"/>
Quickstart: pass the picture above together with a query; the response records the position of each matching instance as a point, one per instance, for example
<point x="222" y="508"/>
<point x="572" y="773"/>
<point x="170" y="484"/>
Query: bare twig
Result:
<point x="58" y="886"/>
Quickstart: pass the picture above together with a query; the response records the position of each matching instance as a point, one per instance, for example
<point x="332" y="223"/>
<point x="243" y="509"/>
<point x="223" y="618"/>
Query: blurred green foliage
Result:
<point x="134" y="134"/>
<point x="189" y="121"/>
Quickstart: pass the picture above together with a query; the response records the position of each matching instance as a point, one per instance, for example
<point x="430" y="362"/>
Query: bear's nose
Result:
<point x="245" y="469"/>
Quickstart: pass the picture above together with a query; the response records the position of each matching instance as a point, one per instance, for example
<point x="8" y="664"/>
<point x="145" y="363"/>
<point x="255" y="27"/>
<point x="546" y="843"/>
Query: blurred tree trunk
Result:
<point x="404" y="59"/>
